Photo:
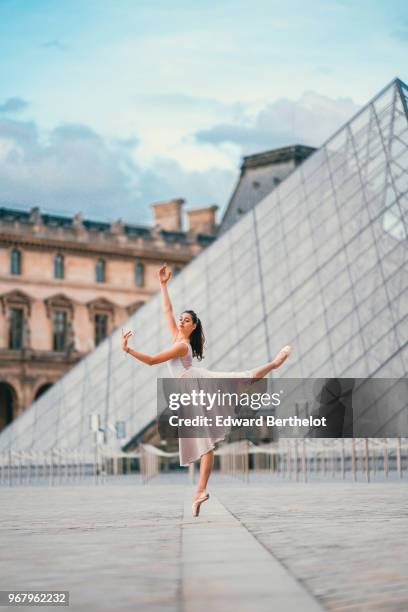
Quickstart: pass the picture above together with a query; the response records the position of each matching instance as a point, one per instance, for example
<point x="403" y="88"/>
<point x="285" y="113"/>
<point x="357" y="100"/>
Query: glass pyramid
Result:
<point x="321" y="263"/>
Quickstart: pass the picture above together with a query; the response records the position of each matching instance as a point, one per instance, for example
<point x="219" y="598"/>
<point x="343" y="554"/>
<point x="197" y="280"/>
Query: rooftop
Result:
<point x="277" y="156"/>
<point x="33" y="216"/>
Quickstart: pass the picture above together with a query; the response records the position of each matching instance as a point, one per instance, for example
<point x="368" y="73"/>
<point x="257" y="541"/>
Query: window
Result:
<point x="100" y="271"/>
<point x="139" y="274"/>
<point x="101" y="316"/>
<point x="15" y="262"/>
<point x="59" y="266"/>
<point x="16" y="307"/>
<point x="15" y="331"/>
<point x="101" y="327"/>
<point x="60" y="311"/>
<point x="59" y="330"/>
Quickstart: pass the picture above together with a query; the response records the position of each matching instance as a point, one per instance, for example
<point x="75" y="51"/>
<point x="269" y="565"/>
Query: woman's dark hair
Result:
<point x="197" y="337"/>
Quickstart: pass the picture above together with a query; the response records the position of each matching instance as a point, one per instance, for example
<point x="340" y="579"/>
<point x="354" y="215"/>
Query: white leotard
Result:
<point x="182" y="367"/>
<point x="179" y="366"/>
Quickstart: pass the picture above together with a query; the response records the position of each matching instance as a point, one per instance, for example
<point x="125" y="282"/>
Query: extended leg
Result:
<point x="272" y="365"/>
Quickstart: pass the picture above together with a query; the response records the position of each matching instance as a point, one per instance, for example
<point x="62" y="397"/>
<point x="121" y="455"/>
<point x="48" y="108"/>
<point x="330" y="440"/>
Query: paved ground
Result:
<point x="269" y="545"/>
<point x="346" y="543"/>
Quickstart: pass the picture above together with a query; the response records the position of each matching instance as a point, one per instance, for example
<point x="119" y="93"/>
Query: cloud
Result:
<point x="54" y="44"/>
<point x="73" y="168"/>
<point x="129" y="143"/>
<point x="310" y="121"/>
<point x="167" y="178"/>
<point x="13" y="105"/>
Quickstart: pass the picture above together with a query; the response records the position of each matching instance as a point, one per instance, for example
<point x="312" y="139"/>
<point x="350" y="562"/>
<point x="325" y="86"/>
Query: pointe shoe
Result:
<point x="282" y="355"/>
<point x="197" y="503"/>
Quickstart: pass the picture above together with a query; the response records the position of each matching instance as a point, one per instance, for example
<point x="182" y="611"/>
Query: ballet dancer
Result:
<point x="188" y="342"/>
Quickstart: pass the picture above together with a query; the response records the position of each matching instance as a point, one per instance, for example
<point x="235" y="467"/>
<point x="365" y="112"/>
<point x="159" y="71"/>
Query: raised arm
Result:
<point x="164" y="277"/>
<point x="179" y="349"/>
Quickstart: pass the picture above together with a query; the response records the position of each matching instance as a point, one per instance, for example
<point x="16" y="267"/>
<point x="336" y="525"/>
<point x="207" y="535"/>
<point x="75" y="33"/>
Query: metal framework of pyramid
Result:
<point x="320" y="263"/>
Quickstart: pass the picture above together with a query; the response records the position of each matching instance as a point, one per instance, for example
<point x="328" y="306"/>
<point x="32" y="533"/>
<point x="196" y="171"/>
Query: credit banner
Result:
<point x="260" y="409"/>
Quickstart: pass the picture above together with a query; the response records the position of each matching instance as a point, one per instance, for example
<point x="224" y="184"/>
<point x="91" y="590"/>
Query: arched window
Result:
<point x="15" y="262"/>
<point x="8" y="403"/>
<point x="59" y="266"/>
<point x="100" y="271"/>
<point x="42" y="390"/>
<point x="139" y="274"/>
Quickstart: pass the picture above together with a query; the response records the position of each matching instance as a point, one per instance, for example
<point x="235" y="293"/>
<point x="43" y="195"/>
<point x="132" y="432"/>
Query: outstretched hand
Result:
<point x="125" y="338"/>
<point x="164" y="275"/>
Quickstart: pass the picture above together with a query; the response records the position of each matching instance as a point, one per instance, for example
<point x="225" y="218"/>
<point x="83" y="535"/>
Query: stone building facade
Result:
<point x="260" y="174"/>
<point x="67" y="283"/>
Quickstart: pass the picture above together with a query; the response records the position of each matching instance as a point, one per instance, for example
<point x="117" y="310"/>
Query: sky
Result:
<point x="107" y="106"/>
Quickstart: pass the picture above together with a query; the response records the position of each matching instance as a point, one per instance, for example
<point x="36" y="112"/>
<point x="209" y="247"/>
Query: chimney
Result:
<point x="168" y="214"/>
<point x="202" y="220"/>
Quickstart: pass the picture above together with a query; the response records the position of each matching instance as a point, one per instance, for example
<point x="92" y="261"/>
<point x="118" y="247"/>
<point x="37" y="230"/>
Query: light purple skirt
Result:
<point x="191" y="449"/>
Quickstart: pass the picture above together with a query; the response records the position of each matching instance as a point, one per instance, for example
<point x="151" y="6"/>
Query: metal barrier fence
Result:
<point x="294" y="459"/>
<point x="234" y="459"/>
<point x="152" y="461"/>
<point x="63" y="466"/>
<point x="306" y="459"/>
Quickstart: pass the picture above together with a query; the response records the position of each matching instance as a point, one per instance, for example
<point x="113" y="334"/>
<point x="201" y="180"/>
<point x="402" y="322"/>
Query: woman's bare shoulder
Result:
<point x="181" y="344"/>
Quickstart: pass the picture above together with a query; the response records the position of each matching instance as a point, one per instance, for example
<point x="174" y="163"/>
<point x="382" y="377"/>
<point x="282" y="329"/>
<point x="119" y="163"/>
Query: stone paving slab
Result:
<point x="225" y="568"/>
<point x="342" y="546"/>
<point x="112" y="548"/>
<point x="347" y="543"/>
